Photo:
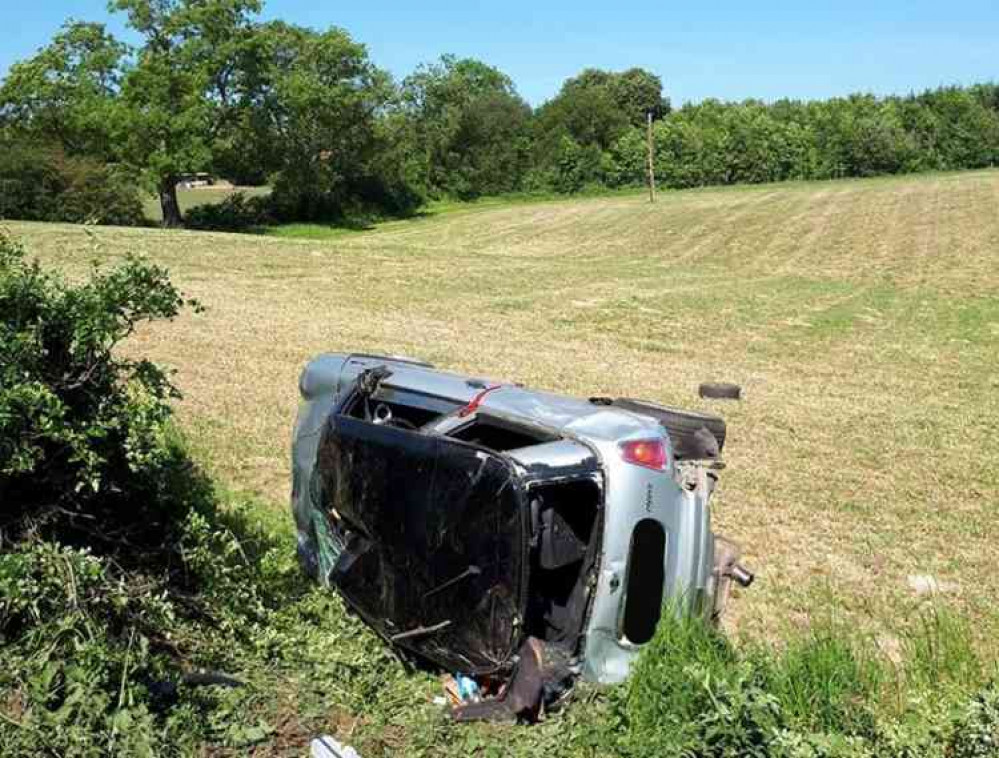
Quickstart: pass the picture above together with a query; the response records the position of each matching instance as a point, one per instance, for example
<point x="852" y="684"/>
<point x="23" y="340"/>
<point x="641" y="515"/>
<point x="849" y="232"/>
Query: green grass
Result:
<point x="309" y="667"/>
<point x="432" y="210"/>
<point x="190" y="198"/>
<point x="829" y="691"/>
<point x="860" y="317"/>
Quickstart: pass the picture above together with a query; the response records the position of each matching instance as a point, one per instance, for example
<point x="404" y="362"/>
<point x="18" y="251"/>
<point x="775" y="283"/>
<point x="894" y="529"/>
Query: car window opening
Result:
<point x="499" y="435"/>
<point x="644" y="588"/>
<point x="564" y="519"/>
<point x="397" y="409"/>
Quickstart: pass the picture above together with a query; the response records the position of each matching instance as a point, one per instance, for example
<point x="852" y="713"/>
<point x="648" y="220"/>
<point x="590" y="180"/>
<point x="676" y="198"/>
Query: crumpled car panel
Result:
<point x="435" y="536"/>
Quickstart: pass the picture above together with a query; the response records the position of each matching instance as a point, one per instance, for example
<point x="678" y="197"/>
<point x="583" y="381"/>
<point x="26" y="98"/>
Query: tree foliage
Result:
<point x="751" y="142"/>
<point x="466" y="128"/>
<point x="211" y="87"/>
<point x="43" y="183"/>
<point x="65" y="94"/>
<point x="321" y="104"/>
<point x="596" y="107"/>
<point x="83" y="441"/>
<point x="182" y="87"/>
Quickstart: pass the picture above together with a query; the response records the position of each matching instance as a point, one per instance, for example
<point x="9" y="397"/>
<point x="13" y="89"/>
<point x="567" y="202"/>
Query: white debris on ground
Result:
<point x="328" y="747"/>
<point x="924" y="584"/>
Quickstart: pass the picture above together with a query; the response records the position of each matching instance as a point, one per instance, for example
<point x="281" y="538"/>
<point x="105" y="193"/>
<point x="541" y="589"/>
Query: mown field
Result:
<point x="195" y="196"/>
<point x="861" y="318"/>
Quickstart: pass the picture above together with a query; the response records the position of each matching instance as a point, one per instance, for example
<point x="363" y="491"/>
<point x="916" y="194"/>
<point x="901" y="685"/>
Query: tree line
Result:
<point x="212" y="88"/>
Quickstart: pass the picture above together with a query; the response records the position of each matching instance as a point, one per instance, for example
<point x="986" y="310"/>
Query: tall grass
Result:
<point x="827" y="692"/>
<point x="940" y="652"/>
<point x="825" y="681"/>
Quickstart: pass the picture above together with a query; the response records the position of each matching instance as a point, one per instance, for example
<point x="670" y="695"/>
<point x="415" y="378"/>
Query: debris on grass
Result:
<point x="924" y="584"/>
<point x="328" y="747"/>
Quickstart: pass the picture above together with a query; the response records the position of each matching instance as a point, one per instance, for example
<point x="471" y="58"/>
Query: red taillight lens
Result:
<point x="647" y="453"/>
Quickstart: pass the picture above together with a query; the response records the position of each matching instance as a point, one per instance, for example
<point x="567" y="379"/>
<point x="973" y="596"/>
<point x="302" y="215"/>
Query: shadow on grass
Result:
<point x="153" y="522"/>
<point x="325" y="230"/>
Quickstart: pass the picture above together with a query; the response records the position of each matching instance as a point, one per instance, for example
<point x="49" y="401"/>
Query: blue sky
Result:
<point x="728" y="50"/>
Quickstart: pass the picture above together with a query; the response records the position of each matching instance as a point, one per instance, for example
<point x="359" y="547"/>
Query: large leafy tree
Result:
<point x="468" y="127"/>
<point x="211" y="89"/>
<point x="319" y="101"/>
<point x="579" y="131"/>
<point x="66" y="93"/>
<point x="596" y="107"/>
<point x="638" y="92"/>
<point x="183" y="87"/>
<point x="165" y="107"/>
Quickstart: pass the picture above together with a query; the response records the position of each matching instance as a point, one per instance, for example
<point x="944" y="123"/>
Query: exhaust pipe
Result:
<point x="742" y="575"/>
<point x="727" y="570"/>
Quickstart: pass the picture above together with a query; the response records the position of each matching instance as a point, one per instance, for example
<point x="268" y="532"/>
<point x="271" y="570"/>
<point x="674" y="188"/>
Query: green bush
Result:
<point x="323" y="197"/>
<point x="30" y="185"/>
<point x="575" y="166"/>
<point x="43" y="184"/>
<point x="85" y="449"/>
<point x="976" y="730"/>
<point x="92" y="658"/>
<point x="236" y="213"/>
<point x="76" y="649"/>
<point x="120" y="569"/>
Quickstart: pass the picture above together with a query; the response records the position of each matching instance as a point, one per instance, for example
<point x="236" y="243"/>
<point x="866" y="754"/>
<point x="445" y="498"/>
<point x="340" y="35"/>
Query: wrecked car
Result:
<point x="520" y="536"/>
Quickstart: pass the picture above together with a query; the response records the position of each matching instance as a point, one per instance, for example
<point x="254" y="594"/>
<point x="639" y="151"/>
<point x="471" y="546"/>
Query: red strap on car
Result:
<point x="476" y="401"/>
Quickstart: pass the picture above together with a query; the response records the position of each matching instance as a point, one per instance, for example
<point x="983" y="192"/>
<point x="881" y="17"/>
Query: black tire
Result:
<point x="686" y="428"/>
<point x="720" y="391"/>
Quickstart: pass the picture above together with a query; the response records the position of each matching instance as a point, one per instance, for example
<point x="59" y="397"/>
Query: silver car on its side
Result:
<point x="478" y="524"/>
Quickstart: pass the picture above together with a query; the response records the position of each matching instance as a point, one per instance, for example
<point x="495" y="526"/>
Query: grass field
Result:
<point x="861" y="318"/>
<point x="190" y="198"/>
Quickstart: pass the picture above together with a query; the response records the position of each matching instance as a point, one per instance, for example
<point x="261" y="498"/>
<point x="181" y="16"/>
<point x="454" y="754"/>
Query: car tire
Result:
<point x="720" y="391"/>
<point x="686" y="428"/>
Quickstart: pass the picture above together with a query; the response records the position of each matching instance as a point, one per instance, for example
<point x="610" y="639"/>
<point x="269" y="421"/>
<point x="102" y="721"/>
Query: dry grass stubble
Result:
<point x="862" y="319"/>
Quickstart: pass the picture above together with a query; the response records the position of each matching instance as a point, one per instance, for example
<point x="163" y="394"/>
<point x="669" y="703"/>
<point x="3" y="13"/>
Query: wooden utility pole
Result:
<point x="652" y="167"/>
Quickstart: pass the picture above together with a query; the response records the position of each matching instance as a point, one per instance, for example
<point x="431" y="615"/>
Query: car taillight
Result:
<point x="647" y="453"/>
